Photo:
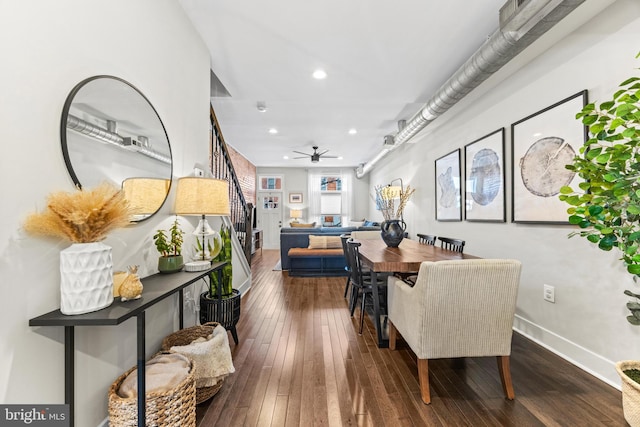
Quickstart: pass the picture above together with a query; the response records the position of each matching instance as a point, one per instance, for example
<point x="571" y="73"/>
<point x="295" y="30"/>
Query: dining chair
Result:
<point x="343" y="240"/>
<point x="461" y="308"/>
<point x="426" y="239"/>
<point x="455" y="245"/>
<point x="361" y="284"/>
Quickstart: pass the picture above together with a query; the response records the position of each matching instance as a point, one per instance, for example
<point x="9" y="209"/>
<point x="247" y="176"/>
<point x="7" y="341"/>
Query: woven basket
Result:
<point x="185" y="337"/>
<point x="630" y="392"/>
<point x="172" y="408"/>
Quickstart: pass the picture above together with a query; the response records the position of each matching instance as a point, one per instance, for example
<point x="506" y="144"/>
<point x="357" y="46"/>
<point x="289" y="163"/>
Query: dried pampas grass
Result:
<point x="83" y="216"/>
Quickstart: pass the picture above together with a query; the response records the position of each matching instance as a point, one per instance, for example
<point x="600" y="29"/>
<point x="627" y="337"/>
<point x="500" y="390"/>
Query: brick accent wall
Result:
<point x="246" y="172"/>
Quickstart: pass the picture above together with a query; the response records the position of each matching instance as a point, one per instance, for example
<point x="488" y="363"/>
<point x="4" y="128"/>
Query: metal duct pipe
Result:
<point x="105" y="135"/>
<point x="530" y="22"/>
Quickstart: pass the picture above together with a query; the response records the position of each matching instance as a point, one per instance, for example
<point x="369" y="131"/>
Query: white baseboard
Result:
<point x="573" y="353"/>
<point x="104" y="423"/>
<point x="245" y="286"/>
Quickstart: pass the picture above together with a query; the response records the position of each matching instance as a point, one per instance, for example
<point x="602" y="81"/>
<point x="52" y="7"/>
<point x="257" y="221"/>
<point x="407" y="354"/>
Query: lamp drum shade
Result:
<point x="295" y="213"/>
<point x="202" y="196"/>
<point x="145" y="195"/>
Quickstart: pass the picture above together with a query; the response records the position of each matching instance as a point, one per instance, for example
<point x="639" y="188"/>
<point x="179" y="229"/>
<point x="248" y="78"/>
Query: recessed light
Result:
<point x="273" y="131"/>
<point x="262" y="106"/>
<point x="537" y="134"/>
<point x="352" y="131"/>
<point x="319" y="74"/>
<point x="340" y="157"/>
<point x="285" y="157"/>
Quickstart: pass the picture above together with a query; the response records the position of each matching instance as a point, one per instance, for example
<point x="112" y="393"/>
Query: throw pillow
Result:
<point x="302" y="225"/>
<point x="325" y="242"/>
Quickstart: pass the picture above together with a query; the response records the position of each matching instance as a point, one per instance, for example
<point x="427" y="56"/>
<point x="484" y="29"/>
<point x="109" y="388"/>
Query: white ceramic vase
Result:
<point x="86" y="278"/>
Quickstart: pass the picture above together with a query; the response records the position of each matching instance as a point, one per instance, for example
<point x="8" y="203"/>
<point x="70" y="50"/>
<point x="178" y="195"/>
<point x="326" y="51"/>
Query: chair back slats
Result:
<point x="426" y="239"/>
<point x="354" y="262"/>
<point x="455" y="245"/>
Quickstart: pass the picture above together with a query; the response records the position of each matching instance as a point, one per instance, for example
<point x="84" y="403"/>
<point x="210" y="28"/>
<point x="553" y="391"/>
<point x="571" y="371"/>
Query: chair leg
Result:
<point x="362" y="308"/>
<point x="354" y="299"/>
<point x="346" y="286"/>
<point x="392" y="336"/>
<point x="505" y="376"/>
<point x="423" y="376"/>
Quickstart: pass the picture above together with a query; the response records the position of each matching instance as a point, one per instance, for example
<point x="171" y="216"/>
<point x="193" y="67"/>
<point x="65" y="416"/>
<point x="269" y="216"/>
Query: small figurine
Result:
<point x="131" y="287"/>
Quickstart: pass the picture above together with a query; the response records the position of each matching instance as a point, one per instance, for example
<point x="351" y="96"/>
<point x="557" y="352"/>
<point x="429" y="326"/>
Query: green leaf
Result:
<point x="629" y="80"/>
<point x="575" y="219"/>
<point x="633" y="236"/>
<point x="629" y="133"/>
<point x="596" y="128"/>
<point x="603" y="158"/>
<point x="593" y="153"/>
<point x="607" y="242"/>
<point x="565" y="189"/>
<point x="593" y="238"/>
<point x="633" y="269"/>
<point x="589" y="120"/>
<point x="595" y="210"/>
<point x="633" y="320"/>
<point x="624" y="109"/>
<point x="633" y="209"/>
<point x="607" y="105"/>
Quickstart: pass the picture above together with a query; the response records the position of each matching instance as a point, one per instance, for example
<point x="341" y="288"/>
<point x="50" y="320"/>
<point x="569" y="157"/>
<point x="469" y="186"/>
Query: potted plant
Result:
<point x="170" y="248"/>
<point x="226" y="309"/>
<point x="393" y="227"/>
<point x="607" y="209"/>
<point x="84" y="217"/>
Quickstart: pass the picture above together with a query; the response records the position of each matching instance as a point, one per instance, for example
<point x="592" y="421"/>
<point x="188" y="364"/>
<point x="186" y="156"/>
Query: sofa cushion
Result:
<point x="324" y="242"/>
<point x="306" y="252"/>
<point x="302" y="225"/>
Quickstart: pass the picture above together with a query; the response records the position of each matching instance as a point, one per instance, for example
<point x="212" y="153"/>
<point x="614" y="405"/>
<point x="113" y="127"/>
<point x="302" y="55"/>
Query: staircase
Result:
<point x="221" y="167"/>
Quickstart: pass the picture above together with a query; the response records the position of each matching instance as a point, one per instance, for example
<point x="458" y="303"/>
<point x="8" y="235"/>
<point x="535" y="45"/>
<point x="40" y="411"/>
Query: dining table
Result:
<point x="406" y="258"/>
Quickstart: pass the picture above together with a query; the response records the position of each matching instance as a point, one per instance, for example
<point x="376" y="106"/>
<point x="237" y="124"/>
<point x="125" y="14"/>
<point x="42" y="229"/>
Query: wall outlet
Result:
<point x="549" y="293"/>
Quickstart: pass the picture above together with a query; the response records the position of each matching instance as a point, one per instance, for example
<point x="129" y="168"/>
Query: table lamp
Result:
<point x="203" y="196"/>
<point x="295" y="214"/>
<point x="145" y="195"/>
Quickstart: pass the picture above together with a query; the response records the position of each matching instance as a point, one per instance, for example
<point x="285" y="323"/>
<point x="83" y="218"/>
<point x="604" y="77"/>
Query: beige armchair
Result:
<point x="456" y="309"/>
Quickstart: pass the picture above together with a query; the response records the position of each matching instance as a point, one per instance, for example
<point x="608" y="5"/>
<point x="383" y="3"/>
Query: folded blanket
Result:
<point x="163" y="373"/>
<point x="212" y="357"/>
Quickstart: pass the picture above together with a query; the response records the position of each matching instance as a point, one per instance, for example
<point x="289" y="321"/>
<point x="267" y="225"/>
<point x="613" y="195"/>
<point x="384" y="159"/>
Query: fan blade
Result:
<point x="329" y="157"/>
<point x="303" y="157"/>
<point x="320" y="154"/>
<point x="300" y="152"/>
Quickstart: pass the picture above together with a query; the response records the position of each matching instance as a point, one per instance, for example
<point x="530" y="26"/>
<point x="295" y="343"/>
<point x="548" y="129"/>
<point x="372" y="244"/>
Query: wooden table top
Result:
<point x="405" y="258"/>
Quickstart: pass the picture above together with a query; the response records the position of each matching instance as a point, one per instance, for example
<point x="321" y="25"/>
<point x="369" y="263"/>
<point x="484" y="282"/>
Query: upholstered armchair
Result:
<point x="456" y="309"/>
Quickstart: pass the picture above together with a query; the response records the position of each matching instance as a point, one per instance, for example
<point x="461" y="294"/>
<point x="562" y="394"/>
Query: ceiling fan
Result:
<point x="315" y="157"/>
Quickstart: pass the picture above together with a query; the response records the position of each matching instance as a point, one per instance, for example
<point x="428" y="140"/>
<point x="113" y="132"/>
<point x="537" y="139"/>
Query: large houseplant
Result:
<point x="170" y="248"/>
<point x="607" y="209"/>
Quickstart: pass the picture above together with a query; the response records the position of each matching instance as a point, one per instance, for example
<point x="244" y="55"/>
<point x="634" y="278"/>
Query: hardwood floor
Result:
<point x="300" y="362"/>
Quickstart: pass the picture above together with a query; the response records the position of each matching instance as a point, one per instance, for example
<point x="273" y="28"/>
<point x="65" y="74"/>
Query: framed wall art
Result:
<point x="484" y="178"/>
<point x="295" y="197"/>
<point x="542" y="145"/>
<point x="448" y="206"/>
<point x="273" y="182"/>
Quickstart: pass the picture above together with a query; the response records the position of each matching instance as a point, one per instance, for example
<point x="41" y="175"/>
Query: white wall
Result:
<point x="47" y="48"/>
<point x="587" y="323"/>
<point x="295" y="181"/>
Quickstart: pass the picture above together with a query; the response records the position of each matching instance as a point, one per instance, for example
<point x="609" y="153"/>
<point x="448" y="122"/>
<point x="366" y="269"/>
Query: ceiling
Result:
<point x="383" y="61"/>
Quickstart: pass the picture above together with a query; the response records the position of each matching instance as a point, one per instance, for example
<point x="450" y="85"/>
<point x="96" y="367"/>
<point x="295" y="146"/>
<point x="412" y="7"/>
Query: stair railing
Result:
<point x="222" y="168"/>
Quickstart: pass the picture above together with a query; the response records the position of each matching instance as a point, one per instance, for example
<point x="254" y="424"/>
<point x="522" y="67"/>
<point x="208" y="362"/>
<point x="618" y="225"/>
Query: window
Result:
<point x="328" y="195"/>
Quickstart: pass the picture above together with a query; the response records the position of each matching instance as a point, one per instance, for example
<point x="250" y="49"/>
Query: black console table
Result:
<point x="156" y="288"/>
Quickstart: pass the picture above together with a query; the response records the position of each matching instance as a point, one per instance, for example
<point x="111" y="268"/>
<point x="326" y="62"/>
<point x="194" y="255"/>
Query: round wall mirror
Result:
<point x="111" y="132"/>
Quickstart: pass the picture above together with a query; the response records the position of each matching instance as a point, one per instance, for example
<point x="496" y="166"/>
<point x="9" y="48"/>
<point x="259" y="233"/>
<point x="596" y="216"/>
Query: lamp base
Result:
<point x="197" y="265"/>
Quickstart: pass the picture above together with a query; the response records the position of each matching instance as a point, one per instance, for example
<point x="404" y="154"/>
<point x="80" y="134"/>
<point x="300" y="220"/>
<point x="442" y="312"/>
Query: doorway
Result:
<point x="270" y="217"/>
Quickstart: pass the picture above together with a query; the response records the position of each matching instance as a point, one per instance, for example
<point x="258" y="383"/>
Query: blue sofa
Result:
<point x="316" y="262"/>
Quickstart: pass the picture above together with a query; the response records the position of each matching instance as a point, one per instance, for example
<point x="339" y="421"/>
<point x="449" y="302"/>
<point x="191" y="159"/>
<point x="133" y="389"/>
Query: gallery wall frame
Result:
<point x="448" y="188"/>
<point x="295" y="197"/>
<point x="484" y="183"/>
<point x="270" y="182"/>
<point x="542" y="144"/>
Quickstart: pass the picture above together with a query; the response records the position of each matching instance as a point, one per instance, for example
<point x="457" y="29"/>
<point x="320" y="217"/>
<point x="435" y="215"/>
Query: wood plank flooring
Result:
<point x="301" y="362"/>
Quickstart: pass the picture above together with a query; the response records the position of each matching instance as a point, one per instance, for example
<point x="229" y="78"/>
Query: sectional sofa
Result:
<point x="301" y="260"/>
